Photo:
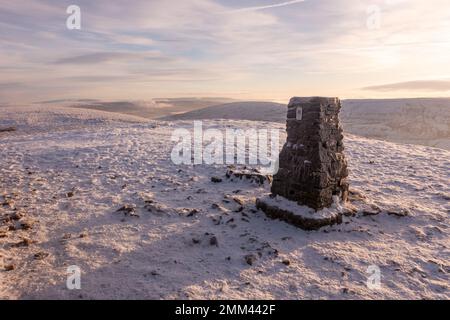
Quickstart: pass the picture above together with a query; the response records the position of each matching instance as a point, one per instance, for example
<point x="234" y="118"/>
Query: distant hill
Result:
<point x="417" y="121"/>
<point x="150" y="109"/>
<point x="251" y="110"/>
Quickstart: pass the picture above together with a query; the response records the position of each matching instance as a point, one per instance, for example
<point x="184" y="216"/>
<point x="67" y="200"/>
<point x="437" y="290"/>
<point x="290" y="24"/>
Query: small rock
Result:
<point x="216" y="179"/>
<point x="129" y="210"/>
<point x="217" y="221"/>
<point x="9" y="267"/>
<point x="286" y="262"/>
<point x="8" y="129"/>
<point x="24" y="243"/>
<point x="250" y="259"/>
<point x="26" y="225"/>
<point x="70" y="194"/>
<point x="399" y="213"/>
<point x="192" y="213"/>
<point x="41" y="255"/>
<point x="213" y="241"/>
<point x="16" y="216"/>
<point x="240" y="209"/>
<point x="67" y="236"/>
<point x="195" y="241"/>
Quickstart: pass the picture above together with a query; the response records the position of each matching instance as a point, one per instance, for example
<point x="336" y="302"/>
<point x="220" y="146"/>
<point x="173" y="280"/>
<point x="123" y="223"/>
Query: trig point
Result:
<point x="313" y="169"/>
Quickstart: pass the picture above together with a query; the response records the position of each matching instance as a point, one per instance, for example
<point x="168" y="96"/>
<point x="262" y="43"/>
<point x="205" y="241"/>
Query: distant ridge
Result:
<point x="246" y="110"/>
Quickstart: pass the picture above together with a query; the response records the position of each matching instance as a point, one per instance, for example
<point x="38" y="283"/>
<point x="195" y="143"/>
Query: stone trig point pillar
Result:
<point x="312" y="167"/>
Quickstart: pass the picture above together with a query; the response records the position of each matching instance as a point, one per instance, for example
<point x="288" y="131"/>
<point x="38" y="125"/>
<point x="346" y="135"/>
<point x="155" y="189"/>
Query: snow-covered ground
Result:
<point x="65" y="173"/>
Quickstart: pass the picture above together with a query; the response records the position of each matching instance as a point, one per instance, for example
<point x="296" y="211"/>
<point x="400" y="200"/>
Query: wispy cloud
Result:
<point x="100" y="57"/>
<point x="93" y="58"/>
<point x="270" y="6"/>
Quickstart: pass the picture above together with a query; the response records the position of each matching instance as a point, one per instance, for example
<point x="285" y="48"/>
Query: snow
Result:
<point x="303" y="211"/>
<point x="68" y="171"/>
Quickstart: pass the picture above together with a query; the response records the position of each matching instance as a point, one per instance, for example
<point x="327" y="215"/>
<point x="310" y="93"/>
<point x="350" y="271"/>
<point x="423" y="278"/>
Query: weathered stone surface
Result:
<point x="312" y="165"/>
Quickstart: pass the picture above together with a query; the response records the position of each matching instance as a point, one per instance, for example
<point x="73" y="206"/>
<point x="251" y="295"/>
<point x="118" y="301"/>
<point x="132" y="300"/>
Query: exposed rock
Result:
<point x="26" y="224"/>
<point x="213" y="241"/>
<point x="8" y="129"/>
<point x="9" y="267"/>
<point x="216" y="179"/>
<point x="25" y="242"/>
<point x="312" y="166"/>
<point x="251" y="175"/>
<point x="66" y="236"/>
<point x="217" y="220"/>
<point x="128" y="210"/>
<point x="286" y="262"/>
<point x="250" y="259"/>
<point x="16" y="215"/>
<point x="399" y="213"/>
<point x="239" y="209"/>
<point x="192" y="213"/>
<point x="41" y="255"/>
<point x="83" y="235"/>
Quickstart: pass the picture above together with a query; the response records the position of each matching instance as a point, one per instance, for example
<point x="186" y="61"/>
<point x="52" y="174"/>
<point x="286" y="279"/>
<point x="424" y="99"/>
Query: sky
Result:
<point x="243" y="49"/>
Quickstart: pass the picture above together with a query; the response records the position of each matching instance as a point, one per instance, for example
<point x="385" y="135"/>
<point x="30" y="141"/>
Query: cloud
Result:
<point x="9" y="85"/>
<point x="93" y="58"/>
<point x="318" y="47"/>
<point x="425" y="85"/>
<point x="100" y="57"/>
<point x="270" y="6"/>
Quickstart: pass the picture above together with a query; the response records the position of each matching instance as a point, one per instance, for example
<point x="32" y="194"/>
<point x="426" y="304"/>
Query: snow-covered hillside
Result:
<point x="417" y="121"/>
<point x="150" y="109"/>
<point x="32" y="119"/>
<point x="179" y="235"/>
